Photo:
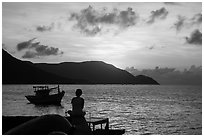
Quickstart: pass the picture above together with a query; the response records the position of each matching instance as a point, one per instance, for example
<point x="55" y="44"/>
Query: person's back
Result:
<point x="77" y="104"/>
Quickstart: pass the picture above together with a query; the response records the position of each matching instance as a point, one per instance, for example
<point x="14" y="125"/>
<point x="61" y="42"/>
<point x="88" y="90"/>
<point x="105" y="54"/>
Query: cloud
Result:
<point x="151" y="47"/>
<point x="93" y="31"/>
<point x="191" y="76"/>
<point x="171" y="3"/>
<point x="91" y="21"/>
<point x="24" y="45"/>
<point x="195" y="38"/>
<point x="42" y="50"/>
<point x="157" y="14"/>
<point x="197" y="19"/>
<point x="35" y="49"/>
<point x="29" y="54"/>
<point x="46" y="51"/>
<point x="44" y="28"/>
<point x="183" y="22"/>
<point x="180" y="23"/>
<point x="127" y="18"/>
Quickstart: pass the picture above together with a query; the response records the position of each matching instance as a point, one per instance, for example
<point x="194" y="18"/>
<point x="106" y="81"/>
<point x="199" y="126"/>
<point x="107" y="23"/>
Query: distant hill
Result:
<point x="15" y="71"/>
<point x="141" y="79"/>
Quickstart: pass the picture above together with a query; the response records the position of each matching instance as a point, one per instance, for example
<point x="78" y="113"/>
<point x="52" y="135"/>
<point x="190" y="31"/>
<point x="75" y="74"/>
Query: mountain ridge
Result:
<point x="88" y="72"/>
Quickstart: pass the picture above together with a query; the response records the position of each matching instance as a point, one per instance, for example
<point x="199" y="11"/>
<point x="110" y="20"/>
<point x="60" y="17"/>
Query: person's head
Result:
<point x="78" y="92"/>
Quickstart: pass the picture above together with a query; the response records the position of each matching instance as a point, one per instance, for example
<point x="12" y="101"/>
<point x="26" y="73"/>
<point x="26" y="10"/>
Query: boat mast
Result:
<point x="58" y="89"/>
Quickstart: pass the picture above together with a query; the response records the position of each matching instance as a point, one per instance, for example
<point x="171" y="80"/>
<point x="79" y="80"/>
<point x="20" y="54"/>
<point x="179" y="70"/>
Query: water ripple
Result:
<point x="139" y="109"/>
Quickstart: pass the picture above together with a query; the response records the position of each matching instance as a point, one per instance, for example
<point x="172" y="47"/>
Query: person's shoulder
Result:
<point x="74" y="98"/>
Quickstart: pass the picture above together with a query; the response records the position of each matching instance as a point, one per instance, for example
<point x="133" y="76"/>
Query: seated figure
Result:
<point x="77" y="105"/>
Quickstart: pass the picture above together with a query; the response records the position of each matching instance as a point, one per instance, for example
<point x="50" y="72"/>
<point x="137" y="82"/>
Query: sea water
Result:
<point x="139" y="109"/>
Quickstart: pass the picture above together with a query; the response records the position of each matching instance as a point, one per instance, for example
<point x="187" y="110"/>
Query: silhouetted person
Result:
<point x="77" y="114"/>
<point x="77" y="104"/>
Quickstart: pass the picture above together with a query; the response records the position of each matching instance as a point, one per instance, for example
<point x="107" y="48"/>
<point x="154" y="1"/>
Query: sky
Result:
<point x="142" y="35"/>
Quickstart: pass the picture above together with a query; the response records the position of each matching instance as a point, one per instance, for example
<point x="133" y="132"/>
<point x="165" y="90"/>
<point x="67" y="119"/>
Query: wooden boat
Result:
<point x="42" y="96"/>
<point x="103" y="124"/>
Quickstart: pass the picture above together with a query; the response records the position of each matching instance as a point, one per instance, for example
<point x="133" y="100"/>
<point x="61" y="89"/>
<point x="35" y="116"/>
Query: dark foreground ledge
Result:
<point x="9" y="122"/>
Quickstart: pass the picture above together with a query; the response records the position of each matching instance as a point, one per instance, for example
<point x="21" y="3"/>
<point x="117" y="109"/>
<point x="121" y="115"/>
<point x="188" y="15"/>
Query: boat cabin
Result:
<point x="41" y="90"/>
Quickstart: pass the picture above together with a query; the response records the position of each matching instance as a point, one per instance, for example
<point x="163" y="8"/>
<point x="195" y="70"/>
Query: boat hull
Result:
<point x="45" y="100"/>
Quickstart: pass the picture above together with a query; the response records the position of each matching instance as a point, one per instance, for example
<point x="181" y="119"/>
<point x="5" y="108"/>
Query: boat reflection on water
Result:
<point x="43" y="97"/>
